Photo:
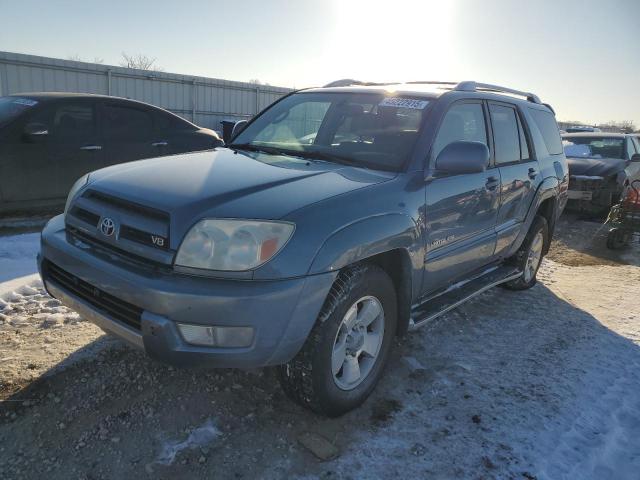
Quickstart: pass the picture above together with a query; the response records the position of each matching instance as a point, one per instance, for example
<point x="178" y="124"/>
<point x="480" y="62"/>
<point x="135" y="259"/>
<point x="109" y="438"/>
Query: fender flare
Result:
<point x="547" y="189"/>
<point x="365" y="238"/>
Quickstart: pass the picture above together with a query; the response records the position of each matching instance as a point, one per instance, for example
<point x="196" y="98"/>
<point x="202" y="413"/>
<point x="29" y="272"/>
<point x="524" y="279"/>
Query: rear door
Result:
<point x="519" y="171"/>
<point x="174" y="135"/>
<point x="461" y="210"/>
<point x="48" y="165"/>
<point x="128" y="132"/>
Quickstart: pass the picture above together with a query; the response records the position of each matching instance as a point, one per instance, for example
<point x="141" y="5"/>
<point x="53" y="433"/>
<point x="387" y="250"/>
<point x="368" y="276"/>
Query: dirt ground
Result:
<point x="584" y="243"/>
<point x="539" y="384"/>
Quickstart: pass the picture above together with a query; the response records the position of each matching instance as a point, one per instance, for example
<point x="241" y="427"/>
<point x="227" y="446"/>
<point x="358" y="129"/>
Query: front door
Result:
<point x="519" y="172"/>
<point x="461" y="210"/>
<point x="46" y="166"/>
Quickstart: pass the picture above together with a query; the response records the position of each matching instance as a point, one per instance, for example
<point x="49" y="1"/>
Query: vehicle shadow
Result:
<point x="511" y="384"/>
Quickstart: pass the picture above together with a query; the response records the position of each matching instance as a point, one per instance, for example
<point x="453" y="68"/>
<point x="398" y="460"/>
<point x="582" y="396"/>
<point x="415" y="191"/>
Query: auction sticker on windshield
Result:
<point x="403" y="103"/>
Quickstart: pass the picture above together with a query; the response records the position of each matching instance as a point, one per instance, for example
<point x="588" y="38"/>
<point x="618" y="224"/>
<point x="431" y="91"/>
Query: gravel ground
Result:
<point x="538" y="384"/>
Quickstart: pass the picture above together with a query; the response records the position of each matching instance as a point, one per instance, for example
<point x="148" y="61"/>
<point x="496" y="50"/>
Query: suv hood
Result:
<point x="224" y="184"/>
<point x="595" y="166"/>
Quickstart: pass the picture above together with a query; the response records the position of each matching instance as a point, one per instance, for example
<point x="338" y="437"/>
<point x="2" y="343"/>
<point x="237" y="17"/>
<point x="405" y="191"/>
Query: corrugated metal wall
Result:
<point x="204" y="101"/>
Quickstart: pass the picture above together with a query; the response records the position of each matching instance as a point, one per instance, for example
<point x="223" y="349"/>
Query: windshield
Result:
<point x="361" y="129"/>
<point x="593" y="147"/>
<point x="12" y="107"/>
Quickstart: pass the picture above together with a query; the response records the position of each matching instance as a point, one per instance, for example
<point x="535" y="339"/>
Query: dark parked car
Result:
<point x="600" y="165"/>
<point x="336" y="219"/>
<point x="581" y="128"/>
<point x="49" y="140"/>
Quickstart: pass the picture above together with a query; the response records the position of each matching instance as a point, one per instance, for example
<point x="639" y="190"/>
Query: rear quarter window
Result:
<point x="167" y="122"/>
<point x="546" y="123"/>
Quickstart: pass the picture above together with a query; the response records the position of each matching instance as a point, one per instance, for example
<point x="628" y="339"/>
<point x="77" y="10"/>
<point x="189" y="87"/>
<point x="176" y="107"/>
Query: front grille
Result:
<point x="109" y="249"/>
<point x="114" y="307"/>
<point x="137" y="223"/>
<point x="126" y="205"/>
<point x="86" y="216"/>
<point x="144" y="238"/>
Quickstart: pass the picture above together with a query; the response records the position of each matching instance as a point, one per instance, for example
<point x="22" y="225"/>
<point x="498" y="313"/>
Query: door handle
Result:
<point x="492" y="183"/>
<point x="533" y="173"/>
<point x="91" y="148"/>
<point x="160" y="144"/>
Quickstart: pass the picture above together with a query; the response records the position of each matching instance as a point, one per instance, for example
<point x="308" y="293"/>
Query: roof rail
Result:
<point x="346" y="82"/>
<point x="471" y="86"/>
<point x="430" y="82"/>
<point x="466" y="86"/>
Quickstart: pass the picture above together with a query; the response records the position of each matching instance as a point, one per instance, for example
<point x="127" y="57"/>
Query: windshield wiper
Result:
<point x="306" y="154"/>
<point x="327" y="157"/>
<point x="250" y="147"/>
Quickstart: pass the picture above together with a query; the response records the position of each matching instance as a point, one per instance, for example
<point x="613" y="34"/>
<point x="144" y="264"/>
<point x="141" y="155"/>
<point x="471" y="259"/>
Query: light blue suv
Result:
<point x="335" y="220"/>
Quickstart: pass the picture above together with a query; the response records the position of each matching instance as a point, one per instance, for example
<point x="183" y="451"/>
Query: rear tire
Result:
<point x="529" y="256"/>
<point x="617" y="239"/>
<point x="317" y="377"/>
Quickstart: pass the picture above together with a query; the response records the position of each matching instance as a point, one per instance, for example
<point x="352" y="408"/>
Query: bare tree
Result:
<point x="139" y="61"/>
<point x="625" y="126"/>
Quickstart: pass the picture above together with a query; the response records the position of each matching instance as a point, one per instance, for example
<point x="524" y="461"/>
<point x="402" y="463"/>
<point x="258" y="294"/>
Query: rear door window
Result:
<point x="525" y="152"/>
<point x="74" y="120"/>
<point x="506" y="133"/>
<point x="165" y="122"/>
<point x="546" y="123"/>
<point x="126" y="123"/>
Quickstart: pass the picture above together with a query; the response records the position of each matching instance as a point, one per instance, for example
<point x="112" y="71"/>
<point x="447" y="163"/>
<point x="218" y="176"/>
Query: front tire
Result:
<point x="345" y="354"/>
<point x="529" y="256"/>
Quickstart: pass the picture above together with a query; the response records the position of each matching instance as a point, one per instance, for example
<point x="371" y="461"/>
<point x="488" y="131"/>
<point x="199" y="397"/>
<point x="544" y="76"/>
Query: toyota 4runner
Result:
<point x="335" y="220"/>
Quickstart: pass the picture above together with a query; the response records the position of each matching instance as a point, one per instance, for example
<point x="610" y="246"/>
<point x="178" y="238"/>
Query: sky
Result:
<point x="582" y="57"/>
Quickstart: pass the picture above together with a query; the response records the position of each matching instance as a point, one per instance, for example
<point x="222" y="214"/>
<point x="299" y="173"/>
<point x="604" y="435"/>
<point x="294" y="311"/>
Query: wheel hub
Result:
<point x="357" y="343"/>
<point x="534" y="257"/>
<point x="355" y="339"/>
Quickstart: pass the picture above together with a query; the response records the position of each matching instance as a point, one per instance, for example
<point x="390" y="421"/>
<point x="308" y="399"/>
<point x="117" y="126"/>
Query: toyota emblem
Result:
<point x="107" y="226"/>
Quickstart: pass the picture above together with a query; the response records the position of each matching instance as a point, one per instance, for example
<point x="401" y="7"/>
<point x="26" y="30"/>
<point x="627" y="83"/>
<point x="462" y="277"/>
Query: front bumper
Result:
<point x="592" y="193"/>
<point x="281" y="312"/>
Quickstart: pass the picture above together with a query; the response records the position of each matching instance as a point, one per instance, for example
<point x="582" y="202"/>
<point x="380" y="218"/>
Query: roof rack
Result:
<point x="466" y="86"/>
<point x="471" y="86"/>
<point x="346" y="82"/>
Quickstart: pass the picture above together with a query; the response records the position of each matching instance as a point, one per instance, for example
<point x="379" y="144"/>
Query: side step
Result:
<point x="433" y="307"/>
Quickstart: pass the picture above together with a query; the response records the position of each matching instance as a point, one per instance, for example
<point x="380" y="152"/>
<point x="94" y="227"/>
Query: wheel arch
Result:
<point x="545" y="203"/>
<point x="390" y="241"/>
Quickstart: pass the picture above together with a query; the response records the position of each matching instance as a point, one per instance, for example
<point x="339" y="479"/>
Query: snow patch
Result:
<point x="18" y="255"/>
<point x="198" y="437"/>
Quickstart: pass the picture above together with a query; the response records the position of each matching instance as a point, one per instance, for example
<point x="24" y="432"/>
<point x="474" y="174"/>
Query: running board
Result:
<point x="434" y="307"/>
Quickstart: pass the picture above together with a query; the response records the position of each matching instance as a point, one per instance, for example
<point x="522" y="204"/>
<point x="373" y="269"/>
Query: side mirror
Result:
<point x="36" y="131"/>
<point x="231" y="129"/>
<point x="463" y="157"/>
<point x="635" y="157"/>
<point x="238" y="127"/>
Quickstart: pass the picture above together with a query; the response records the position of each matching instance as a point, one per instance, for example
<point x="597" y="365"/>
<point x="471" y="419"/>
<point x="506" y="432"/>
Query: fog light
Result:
<point x="229" y="337"/>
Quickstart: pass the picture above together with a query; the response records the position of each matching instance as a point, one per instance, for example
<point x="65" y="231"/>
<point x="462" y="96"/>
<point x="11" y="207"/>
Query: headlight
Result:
<point x="232" y="245"/>
<point x="81" y="182"/>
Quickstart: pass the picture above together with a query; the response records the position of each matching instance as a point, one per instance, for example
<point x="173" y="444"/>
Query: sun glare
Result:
<point x="398" y="40"/>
